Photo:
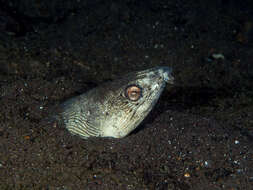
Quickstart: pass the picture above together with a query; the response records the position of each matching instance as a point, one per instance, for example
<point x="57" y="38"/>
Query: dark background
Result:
<point x="199" y="135"/>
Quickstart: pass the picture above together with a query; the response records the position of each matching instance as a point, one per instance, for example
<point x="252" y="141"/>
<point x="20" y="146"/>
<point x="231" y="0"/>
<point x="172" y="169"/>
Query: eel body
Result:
<point x="115" y="108"/>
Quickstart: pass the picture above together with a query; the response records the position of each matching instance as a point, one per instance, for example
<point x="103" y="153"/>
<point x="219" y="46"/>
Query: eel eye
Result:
<point x="133" y="92"/>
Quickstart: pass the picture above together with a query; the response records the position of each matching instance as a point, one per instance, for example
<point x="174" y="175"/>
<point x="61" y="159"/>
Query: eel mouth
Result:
<point x="166" y="72"/>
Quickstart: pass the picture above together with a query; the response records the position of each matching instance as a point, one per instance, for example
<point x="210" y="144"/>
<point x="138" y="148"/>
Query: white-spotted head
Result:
<point x="115" y="108"/>
<point x="130" y="98"/>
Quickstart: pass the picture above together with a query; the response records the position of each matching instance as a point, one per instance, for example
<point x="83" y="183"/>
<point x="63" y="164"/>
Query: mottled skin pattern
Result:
<point x="106" y="111"/>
